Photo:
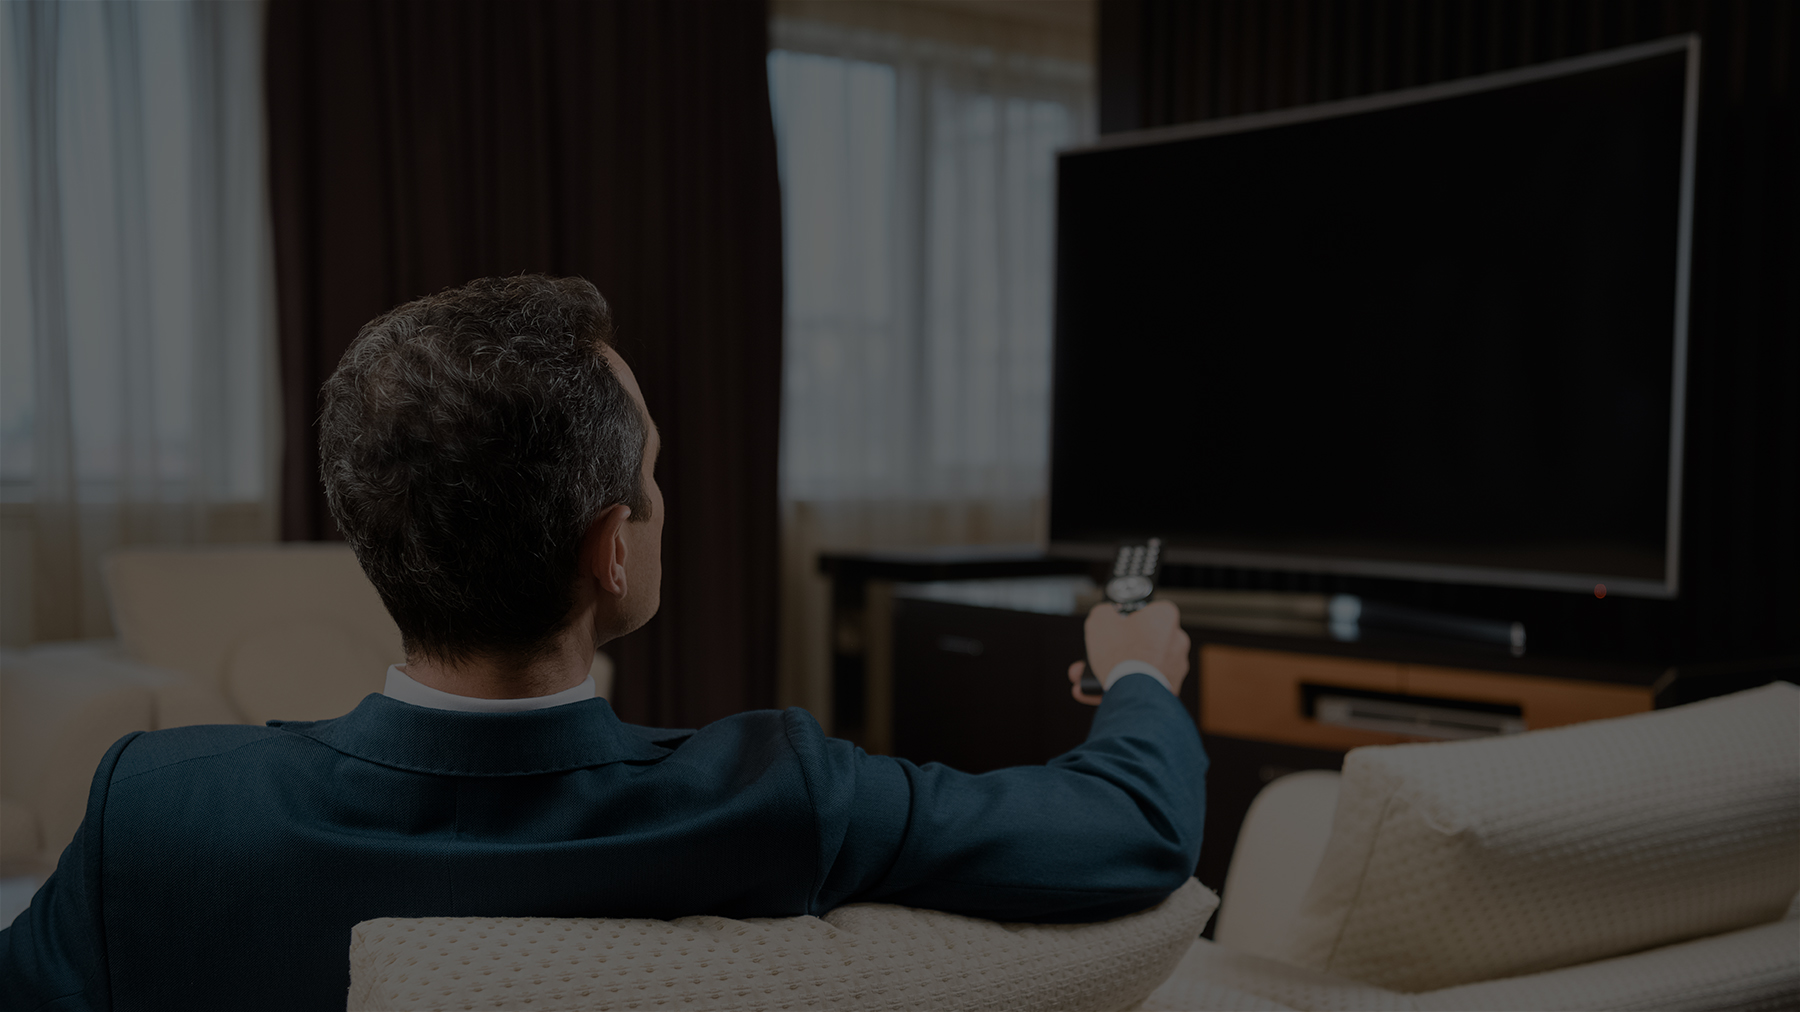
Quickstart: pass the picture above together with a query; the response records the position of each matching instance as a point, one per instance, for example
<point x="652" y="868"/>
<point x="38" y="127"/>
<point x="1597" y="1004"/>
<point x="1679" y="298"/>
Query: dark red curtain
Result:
<point x="416" y="145"/>
<point x="1175" y="61"/>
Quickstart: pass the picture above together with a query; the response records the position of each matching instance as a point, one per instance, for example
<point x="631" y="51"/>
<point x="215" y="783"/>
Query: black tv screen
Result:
<point x="1432" y="334"/>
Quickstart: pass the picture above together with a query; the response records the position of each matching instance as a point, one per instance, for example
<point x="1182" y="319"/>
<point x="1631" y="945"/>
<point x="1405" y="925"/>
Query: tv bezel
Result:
<point x="1669" y="586"/>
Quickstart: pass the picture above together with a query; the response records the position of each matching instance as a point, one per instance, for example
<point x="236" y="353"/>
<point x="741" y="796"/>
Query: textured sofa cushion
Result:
<point x="1752" y="969"/>
<point x="1452" y="863"/>
<point x="861" y="956"/>
<point x="1213" y="977"/>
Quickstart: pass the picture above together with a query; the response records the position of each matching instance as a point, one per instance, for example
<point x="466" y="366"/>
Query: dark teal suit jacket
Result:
<point x="224" y="866"/>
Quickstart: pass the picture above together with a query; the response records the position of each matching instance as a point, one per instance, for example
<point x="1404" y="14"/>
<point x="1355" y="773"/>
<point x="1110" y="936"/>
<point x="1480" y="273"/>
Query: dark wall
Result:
<point x="1175" y="61"/>
<point x="417" y="145"/>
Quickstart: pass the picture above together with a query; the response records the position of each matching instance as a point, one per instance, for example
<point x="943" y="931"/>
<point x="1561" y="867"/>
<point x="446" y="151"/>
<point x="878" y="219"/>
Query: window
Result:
<point x="137" y="297"/>
<point x="918" y="187"/>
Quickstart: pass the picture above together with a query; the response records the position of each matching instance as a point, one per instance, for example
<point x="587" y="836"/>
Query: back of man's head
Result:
<point x="466" y="442"/>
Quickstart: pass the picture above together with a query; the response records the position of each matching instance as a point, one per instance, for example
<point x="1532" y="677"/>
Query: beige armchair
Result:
<point x="213" y="635"/>
<point x="264" y="632"/>
<point x="290" y="632"/>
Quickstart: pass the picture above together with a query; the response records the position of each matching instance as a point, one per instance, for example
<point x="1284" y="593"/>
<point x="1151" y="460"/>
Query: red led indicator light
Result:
<point x="1599" y="590"/>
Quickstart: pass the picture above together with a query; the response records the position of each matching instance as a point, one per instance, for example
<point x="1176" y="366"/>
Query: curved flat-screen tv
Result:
<point x="1433" y="334"/>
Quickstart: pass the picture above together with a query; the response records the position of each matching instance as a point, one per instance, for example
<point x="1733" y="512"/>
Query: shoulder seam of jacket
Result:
<point x="192" y="758"/>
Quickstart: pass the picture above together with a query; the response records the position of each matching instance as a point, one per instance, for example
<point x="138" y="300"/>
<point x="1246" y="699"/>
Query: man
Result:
<point x="491" y="460"/>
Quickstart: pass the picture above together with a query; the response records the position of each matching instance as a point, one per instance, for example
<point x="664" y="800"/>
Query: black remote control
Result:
<point x="1133" y="581"/>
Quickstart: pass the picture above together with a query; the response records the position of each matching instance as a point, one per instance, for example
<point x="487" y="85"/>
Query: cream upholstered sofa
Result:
<point x="1645" y="862"/>
<point x="208" y="635"/>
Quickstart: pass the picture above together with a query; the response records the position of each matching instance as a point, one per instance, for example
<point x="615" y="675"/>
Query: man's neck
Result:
<point x="507" y="678"/>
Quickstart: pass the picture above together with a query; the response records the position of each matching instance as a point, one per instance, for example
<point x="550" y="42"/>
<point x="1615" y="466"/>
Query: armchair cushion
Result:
<point x="303" y="667"/>
<point x="864" y="955"/>
<point x="258" y="632"/>
<point x="1452" y="863"/>
<point x="280" y="631"/>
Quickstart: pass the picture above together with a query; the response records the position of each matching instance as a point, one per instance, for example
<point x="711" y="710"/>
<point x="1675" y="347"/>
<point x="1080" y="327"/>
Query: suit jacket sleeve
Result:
<point x="1108" y="828"/>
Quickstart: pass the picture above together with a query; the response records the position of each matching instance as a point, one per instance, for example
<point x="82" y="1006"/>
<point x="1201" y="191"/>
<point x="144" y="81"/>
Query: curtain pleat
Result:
<point x="140" y="291"/>
<point x="1174" y="61"/>
<point x="418" y="145"/>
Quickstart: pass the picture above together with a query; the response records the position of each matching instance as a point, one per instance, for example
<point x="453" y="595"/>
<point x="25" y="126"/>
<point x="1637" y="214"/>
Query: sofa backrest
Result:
<point x="864" y="955"/>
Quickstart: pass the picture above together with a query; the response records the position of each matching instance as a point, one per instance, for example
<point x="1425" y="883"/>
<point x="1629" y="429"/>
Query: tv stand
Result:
<point x="1272" y="690"/>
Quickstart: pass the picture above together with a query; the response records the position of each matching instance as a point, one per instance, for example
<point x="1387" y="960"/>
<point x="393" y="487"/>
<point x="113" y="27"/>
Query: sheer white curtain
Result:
<point x="918" y="187"/>
<point x="136" y="390"/>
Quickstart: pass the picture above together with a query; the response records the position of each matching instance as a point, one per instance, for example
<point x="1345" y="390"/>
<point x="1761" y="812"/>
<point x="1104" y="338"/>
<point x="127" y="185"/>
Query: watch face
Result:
<point x="1121" y="589"/>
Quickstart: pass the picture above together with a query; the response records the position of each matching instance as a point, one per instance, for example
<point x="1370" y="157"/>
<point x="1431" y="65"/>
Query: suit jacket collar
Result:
<point x="452" y="743"/>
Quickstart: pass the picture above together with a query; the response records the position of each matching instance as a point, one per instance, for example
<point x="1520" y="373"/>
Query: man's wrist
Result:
<point x="1124" y="668"/>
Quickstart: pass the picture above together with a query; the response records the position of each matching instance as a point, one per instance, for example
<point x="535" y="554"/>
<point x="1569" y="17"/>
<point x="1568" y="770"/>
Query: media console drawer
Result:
<point x="1267" y="695"/>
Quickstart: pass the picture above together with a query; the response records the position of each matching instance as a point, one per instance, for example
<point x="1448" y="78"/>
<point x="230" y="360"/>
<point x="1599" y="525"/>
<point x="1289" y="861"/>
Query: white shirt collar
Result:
<point x="400" y="686"/>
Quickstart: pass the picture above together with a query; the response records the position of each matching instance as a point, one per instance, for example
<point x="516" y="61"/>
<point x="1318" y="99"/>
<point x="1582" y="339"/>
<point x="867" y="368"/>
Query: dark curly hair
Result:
<point x="467" y="441"/>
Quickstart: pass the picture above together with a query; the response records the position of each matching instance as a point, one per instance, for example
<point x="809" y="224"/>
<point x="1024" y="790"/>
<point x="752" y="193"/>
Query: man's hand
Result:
<point x="1151" y="634"/>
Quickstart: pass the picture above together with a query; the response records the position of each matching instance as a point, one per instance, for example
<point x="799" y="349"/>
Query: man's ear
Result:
<point x="603" y="550"/>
